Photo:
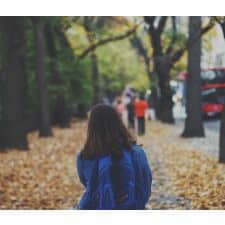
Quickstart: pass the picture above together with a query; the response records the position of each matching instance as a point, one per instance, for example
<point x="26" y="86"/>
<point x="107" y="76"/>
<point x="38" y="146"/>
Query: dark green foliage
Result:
<point x="75" y="83"/>
<point x="72" y="82"/>
<point x="71" y="85"/>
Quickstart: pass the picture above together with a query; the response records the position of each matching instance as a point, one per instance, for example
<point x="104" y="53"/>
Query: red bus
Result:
<point x="212" y="90"/>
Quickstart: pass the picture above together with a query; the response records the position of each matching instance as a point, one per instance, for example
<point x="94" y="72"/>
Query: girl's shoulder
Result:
<point x="85" y="166"/>
<point x="138" y="153"/>
<point x="81" y="160"/>
<point x="137" y="149"/>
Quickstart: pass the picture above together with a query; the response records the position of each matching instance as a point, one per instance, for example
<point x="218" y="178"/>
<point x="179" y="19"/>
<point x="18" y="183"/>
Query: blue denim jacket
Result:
<point x="143" y="176"/>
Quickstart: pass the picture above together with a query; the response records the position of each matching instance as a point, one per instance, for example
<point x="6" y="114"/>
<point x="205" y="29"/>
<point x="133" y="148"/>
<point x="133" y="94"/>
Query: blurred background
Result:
<point x="54" y="69"/>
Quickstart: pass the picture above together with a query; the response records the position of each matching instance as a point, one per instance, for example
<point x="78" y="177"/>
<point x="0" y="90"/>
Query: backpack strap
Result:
<point x="107" y="198"/>
<point x="143" y="176"/>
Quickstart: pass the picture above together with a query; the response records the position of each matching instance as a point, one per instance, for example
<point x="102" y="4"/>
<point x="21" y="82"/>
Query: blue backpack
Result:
<point x="112" y="184"/>
<point x="117" y="183"/>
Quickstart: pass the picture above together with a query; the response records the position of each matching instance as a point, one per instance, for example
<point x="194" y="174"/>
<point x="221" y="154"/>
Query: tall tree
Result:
<point x="95" y="77"/>
<point x="222" y="138"/>
<point x="13" y="50"/>
<point x="162" y="66"/>
<point x="60" y="112"/>
<point x="138" y="44"/>
<point x="165" y="58"/>
<point x="89" y="27"/>
<point x="193" y="122"/>
<point x="45" y="121"/>
<point x="221" y="21"/>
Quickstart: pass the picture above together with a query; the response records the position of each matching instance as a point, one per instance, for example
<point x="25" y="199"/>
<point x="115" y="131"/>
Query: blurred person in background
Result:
<point x="131" y="113"/>
<point x="148" y="97"/>
<point x="119" y="106"/>
<point x="141" y="106"/>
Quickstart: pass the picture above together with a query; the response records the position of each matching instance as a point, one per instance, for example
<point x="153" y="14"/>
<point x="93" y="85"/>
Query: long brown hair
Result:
<point x="106" y="134"/>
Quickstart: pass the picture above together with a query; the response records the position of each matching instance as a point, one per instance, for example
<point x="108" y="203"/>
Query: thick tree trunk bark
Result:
<point x="193" y="122"/>
<point x="95" y="77"/>
<point x="14" y="69"/>
<point x="45" y="121"/>
<point x="155" y="99"/>
<point x="60" y="112"/>
<point x="222" y="123"/>
<point x="162" y="67"/>
<point x="154" y="94"/>
<point x="222" y="138"/>
<point x="81" y="111"/>
<point x="94" y="60"/>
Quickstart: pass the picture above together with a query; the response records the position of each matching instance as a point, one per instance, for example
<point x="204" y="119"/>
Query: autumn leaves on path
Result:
<point x="183" y="177"/>
<point x="45" y="176"/>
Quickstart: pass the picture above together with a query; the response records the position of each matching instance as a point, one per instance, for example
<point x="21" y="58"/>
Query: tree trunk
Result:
<point x="155" y="99"/>
<point x="14" y="69"/>
<point x="222" y="123"/>
<point x="95" y="77"/>
<point x="222" y="138"/>
<point x="154" y="94"/>
<point x="81" y="111"/>
<point x="45" y="122"/>
<point x="193" y="122"/>
<point x="60" y="112"/>
<point x="162" y="67"/>
<point x="94" y="60"/>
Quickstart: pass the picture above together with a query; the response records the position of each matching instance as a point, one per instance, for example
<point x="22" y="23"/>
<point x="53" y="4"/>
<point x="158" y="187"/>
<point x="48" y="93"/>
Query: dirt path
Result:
<point x="163" y="194"/>
<point x="183" y="176"/>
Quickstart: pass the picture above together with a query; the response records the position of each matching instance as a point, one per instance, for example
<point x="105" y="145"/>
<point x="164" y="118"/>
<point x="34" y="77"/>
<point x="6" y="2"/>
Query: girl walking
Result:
<point x="113" y="169"/>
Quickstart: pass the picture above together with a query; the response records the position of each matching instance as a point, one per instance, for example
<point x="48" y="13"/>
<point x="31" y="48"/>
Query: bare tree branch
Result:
<point x="162" y="24"/>
<point x="174" y="35"/>
<point x="221" y="21"/>
<point x="222" y="24"/>
<point x="150" y="21"/>
<point x="154" y="35"/>
<point x="139" y="46"/>
<point x="137" y="43"/>
<point x="178" y="54"/>
<point x="107" y="40"/>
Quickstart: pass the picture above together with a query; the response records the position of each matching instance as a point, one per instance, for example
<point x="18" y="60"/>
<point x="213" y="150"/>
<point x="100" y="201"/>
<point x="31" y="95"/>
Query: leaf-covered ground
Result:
<point x="45" y="177"/>
<point x="184" y="177"/>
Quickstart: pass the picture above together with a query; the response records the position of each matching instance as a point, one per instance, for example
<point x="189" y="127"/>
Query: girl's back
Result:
<point x="113" y="169"/>
<point x="122" y="174"/>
